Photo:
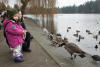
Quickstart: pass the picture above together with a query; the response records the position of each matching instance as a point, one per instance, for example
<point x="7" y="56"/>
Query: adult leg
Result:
<point x="26" y="45"/>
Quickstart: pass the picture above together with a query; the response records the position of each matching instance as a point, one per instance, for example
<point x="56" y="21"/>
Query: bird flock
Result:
<point x="72" y="48"/>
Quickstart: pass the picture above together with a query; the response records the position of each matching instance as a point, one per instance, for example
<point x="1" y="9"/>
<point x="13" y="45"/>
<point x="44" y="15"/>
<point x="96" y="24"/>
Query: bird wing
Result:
<point x="73" y="47"/>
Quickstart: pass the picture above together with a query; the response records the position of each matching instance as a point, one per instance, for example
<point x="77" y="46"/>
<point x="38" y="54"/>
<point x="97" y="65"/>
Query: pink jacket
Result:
<point x="14" y="33"/>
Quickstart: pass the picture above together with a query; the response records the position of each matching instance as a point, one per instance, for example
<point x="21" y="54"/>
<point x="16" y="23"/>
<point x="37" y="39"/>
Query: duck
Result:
<point x="89" y="33"/>
<point x="81" y="37"/>
<point x="87" y="30"/>
<point x="58" y="34"/>
<point x="76" y="35"/>
<point x="77" y="31"/>
<point x="50" y="36"/>
<point x="57" y="40"/>
<point x="67" y="30"/>
<point x="45" y="31"/>
<point x="95" y="37"/>
<point x="69" y="27"/>
<point x="96" y="47"/>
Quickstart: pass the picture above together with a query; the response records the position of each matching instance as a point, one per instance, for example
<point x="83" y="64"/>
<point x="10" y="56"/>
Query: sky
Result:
<point x="60" y="3"/>
<point x="12" y="2"/>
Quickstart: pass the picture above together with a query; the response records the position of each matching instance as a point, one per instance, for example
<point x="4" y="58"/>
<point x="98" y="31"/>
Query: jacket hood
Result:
<point x="6" y="21"/>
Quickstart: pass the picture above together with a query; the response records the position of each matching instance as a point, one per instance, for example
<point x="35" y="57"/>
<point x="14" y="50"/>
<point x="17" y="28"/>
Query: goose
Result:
<point x="96" y="57"/>
<point x="73" y="49"/>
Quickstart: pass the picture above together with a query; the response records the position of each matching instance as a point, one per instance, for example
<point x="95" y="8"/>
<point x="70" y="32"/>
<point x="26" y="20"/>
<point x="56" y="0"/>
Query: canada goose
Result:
<point x="73" y="49"/>
<point x="64" y="41"/>
<point x="96" y="58"/>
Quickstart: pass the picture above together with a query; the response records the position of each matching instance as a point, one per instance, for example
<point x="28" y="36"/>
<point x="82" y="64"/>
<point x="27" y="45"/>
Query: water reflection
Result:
<point x="47" y="22"/>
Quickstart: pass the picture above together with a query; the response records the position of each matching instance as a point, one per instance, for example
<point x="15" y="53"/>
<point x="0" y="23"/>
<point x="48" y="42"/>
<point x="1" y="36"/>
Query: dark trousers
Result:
<point x="26" y="45"/>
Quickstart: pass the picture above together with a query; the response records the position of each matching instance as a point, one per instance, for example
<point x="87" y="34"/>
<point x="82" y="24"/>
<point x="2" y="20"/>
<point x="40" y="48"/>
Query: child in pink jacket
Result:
<point x="14" y="33"/>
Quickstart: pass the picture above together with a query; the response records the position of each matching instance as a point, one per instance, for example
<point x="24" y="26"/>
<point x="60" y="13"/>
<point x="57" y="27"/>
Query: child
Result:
<point x="14" y="33"/>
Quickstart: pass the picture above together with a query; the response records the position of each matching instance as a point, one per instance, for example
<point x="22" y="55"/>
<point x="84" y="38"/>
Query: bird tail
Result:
<point x="82" y="55"/>
<point x="96" y="57"/>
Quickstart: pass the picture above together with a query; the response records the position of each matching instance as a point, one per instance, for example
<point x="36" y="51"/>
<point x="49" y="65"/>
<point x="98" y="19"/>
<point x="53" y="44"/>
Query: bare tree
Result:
<point x="24" y="4"/>
<point x="4" y="1"/>
<point x="16" y="6"/>
<point x="46" y="8"/>
<point x="2" y="6"/>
